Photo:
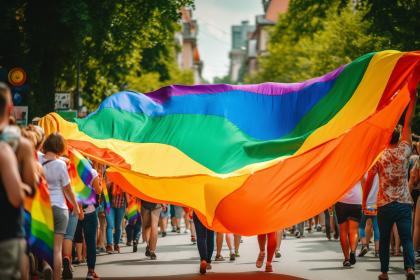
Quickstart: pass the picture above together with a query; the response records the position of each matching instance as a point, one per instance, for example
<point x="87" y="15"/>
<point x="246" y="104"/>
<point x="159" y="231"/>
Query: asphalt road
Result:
<point x="312" y="257"/>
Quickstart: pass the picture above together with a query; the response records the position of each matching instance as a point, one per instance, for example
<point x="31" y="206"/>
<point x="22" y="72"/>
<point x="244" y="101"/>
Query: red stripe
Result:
<point x="103" y="155"/>
<point x="402" y="70"/>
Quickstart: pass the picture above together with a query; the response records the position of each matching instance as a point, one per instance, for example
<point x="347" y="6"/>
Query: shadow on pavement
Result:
<point x="218" y="276"/>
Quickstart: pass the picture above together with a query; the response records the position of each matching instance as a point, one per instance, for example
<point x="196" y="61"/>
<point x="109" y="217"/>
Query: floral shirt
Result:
<point x="392" y="168"/>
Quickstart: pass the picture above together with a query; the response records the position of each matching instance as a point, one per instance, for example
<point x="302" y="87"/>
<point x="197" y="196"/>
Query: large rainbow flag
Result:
<point x="249" y="158"/>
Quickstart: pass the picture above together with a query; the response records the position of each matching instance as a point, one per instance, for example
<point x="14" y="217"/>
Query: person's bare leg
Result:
<point x="79" y="251"/>
<point x="228" y="238"/>
<point x="368" y="231"/>
<point x="271" y="247"/>
<point x="154" y="219"/>
<point x="24" y="267"/>
<point x="186" y="219"/>
<point x="237" y="241"/>
<point x="353" y="235"/>
<point x="219" y="244"/>
<point x="101" y="230"/>
<point x="231" y="246"/>
<point x="193" y="232"/>
<point x="58" y="246"/>
<point x="262" y="238"/>
<point x="146" y="220"/>
<point x="397" y="240"/>
<point x="344" y="240"/>
<point x="279" y="238"/>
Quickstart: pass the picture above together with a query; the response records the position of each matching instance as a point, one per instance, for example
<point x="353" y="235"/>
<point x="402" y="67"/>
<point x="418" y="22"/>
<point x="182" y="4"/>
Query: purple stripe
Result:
<point x="270" y="88"/>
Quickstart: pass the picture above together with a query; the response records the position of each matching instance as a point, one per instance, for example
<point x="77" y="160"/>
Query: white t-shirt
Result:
<point x="57" y="178"/>
<point x="354" y="196"/>
<point x="373" y="194"/>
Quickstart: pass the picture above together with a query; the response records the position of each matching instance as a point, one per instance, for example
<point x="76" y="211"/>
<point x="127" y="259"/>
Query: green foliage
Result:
<point x="112" y="40"/>
<point x="396" y="20"/>
<point x="222" y="80"/>
<point x="340" y="35"/>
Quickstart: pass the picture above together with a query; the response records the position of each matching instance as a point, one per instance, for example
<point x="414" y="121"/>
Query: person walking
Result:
<point x="114" y="218"/>
<point x="271" y="240"/>
<point x="58" y="181"/>
<point x="394" y="199"/>
<point x="205" y="244"/>
<point x="349" y="214"/>
<point x="12" y="194"/>
<point x="150" y="213"/>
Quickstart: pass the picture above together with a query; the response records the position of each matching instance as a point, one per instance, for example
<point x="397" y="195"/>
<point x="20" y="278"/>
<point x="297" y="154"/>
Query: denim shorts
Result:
<point x="71" y="226"/>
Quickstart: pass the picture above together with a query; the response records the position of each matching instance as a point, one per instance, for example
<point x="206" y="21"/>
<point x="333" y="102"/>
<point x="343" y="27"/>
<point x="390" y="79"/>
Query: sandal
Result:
<point x="219" y="258"/>
<point x="268" y="267"/>
<point x="346" y="263"/>
<point x="260" y="259"/>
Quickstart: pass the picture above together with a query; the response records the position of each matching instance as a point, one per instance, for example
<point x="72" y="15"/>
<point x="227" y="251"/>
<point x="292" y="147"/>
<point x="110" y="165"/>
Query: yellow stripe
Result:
<point x="202" y="192"/>
<point x="362" y="104"/>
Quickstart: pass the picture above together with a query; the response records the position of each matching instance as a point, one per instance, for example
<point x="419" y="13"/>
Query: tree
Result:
<point x="339" y="35"/>
<point x="398" y="21"/>
<point x="107" y="38"/>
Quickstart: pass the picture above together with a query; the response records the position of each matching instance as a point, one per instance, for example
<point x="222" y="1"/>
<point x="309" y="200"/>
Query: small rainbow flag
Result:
<point x="81" y="175"/>
<point x="106" y="196"/>
<point x="132" y="210"/>
<point x="39" y="223"/>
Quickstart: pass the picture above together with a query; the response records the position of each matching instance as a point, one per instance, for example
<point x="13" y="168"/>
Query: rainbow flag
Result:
<point x="106" y="196"/>
<point x="249" y="159"/>
<point x="39" y="223"/>
<point x="81" y="176"/>
<point x="132" y="210"/>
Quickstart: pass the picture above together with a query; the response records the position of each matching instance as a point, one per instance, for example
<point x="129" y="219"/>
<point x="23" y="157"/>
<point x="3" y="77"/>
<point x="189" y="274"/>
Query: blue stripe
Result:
<point x="263" y="117"/>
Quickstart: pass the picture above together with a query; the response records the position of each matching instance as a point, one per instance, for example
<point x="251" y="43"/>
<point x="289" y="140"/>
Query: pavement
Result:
<point x="311" y="257"/>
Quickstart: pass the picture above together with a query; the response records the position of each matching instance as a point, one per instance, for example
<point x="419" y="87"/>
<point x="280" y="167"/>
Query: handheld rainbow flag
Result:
<point x="132" y="210"/>
<point x="106" y="196"/>
<point x="288" y="150"/>
<point x="39" y="223"/>
<point x="81" y="175"/>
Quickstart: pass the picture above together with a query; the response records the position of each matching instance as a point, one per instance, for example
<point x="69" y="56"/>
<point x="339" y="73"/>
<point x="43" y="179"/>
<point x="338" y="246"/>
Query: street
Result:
<point x="312" y="257"/>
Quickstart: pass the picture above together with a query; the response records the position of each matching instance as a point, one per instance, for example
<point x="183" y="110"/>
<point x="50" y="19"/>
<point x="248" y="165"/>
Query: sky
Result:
<point x="215" y="18"/>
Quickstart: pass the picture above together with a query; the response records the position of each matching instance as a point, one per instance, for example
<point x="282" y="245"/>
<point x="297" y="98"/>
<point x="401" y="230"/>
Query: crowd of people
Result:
<point x="384" y="205"/>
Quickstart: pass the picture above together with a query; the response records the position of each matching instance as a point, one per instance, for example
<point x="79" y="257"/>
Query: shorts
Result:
<point x="12" y="251"/>
<point x="167" y="213"/>
<point x="71" y="226"/>
<point x="178" y="212"/>
<point x="61" y="219"/>
<point x="346" y="212"/>
<point x="148" y="215"/>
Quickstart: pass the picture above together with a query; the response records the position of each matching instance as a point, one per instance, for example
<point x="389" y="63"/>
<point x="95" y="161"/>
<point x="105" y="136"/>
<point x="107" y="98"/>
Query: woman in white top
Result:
<point x="349" y="213"/>
<point x="59" y="187"/>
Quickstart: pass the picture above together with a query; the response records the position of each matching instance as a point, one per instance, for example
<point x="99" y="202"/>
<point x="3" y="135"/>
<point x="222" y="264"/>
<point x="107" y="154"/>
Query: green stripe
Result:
<point x="326" y="108"/>
<point x="41" y="231"/>
<point x="214" y="141"/>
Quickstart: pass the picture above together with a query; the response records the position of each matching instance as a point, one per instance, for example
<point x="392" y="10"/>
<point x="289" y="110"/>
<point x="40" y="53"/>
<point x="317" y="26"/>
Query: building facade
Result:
<point x="237" y="55"/>
<point x="189" y="57"/>
<point x="258" y="41"/>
